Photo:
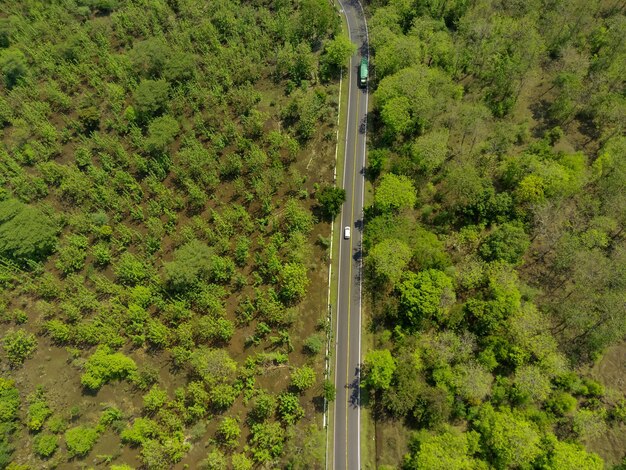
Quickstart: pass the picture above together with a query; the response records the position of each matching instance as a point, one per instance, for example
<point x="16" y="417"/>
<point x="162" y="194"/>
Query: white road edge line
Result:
<point x="367" y="39"/>
<point x="343" y="184"/>
<point x="330" y="277"/>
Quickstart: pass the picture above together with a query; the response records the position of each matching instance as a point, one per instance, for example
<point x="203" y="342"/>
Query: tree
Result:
<point x="25" y="232"/>
<point x="396" y="115"/>
<point x="161" y="133"/>
<point x="80" y="440"/>
<point x="449" y="450"/>
<point x="38" y="410"/>
<point x="13" y="66"/>
<point x="130" y="270"/>
<point x="394" y="193"/>
<point x="150" y="98"/>
<point x="267" y="441"/>
<point x="223" y="396"/>
<point x="293" y="282"/>
<point x="330" y="199"/>
<point x="508" y="242"/>
<point x="289" y="408"/>
<point x="315" y="19"/>
<point x="379" y="368"/>
<point x="429" y="151"/>
<point x="303" y="378"/>
<point x="19" y="345"/>
<point x="149" y="57"/>
<point x="241" y="462"/>
<point x="531" y="383"/>
<point x="104" y="366"/>
<point x="215" y="460"/>
<point x="213" y="365"/>
<point x="389" y="258"/>
<point x="336" y="53"/>
<point x="510" y="439"/>
<point x="46" y="445"/>
<point x="154" y="399"/>
<point x="426" y="295"/>
<point x="570" y="456"/>
<point x="229" y="431"/>
<point x="191" y="264"/>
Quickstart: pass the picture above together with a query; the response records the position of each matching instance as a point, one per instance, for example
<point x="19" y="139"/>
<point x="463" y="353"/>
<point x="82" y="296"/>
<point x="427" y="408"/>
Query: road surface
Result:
<point x="346" y="439"/>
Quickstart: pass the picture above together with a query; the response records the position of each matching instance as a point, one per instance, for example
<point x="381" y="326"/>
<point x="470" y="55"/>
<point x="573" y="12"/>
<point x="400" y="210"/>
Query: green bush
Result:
<point x="18" y="346"/>
<point x="314" y="344"/>
<point x="9" y="401"/>
<point x="80" y="440"/>
<point x="104" y="366"/>
<point x="289" y="408"/>
<point x="46" y="445"/>
<point x="228" y="432"/>
<point x="302" y="378"/>
<point x="154" y="399"/>
<point x="130" y="270"/>
<point x="26" y="233"/>
<point x="38" y="411"/>
<point x="150" y="98"/>
<point x="223" y="396"/>
<point x="141" y="430"/>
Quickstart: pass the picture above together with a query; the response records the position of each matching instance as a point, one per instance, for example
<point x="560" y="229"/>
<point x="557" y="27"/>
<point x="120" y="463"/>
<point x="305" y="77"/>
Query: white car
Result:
<point x="346" y="232"/>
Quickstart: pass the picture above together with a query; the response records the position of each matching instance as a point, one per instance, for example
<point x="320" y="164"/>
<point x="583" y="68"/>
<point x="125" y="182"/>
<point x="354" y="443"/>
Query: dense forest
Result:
<point x="495" y="242"/>
<point x="166" y="175"/>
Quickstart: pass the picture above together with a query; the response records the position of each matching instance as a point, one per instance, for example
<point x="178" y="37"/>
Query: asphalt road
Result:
<point x="346" y="439"/>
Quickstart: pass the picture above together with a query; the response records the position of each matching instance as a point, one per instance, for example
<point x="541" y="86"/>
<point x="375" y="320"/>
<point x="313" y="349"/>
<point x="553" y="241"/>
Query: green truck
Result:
<point x="363" y="72"/>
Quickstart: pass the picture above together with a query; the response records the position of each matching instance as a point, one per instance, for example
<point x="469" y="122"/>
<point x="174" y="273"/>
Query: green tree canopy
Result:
<point x="26" y="233"/>
<point x="330" y="199"/>
<point x="426" y="295"/>
<point x="389" y="258"/>
<point x="394" y="193"/>
<point x="337" y="52"/>
<point x="447" y="451"/>
<point x="512" y="441"/>
<point x="379" y="369"/>
<point x="508" y="242"/>
<point x="13" y="66"/>
<point x="150" y="98"/>
<point x="191" y="263"/>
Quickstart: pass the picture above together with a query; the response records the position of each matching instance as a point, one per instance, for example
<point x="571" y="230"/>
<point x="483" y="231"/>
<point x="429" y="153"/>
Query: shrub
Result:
<point x="38" y="411"/>
<point x="223" y="396"/>
<point x="154" y="399"/>
<point x="130" y="270"/>
<point x="9" y="401"/>
<point x="303" y="378"/>
<point x="80" y="440"/>
<point x="289" y="408"/>
<point x="141" y="430"/>
<point x="26" y="233"/>
<point x="104" y="366"/>
<point x="18" y="346"/>
<point x="228" y="432"/>
<point x="214" y="460"/>
<point x="241" y="462"/>
<point x="46" y="445"/>
<point x="58" y="331"/>
<point x="192" y="262"/>
<point x="314" y="344"/>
